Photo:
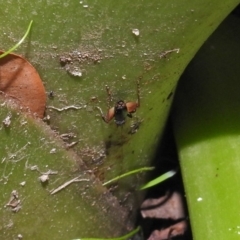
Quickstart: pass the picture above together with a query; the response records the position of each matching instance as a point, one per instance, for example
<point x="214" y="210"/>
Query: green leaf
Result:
<point x="158" y="180"/>
<point x="206" y="125"/>
<point x="41" y="179"/>
<point x="99" y="41"/>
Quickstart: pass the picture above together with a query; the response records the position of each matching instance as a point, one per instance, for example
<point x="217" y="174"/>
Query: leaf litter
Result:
<point x="170" y="206"/>
<point x="21" y="83"/>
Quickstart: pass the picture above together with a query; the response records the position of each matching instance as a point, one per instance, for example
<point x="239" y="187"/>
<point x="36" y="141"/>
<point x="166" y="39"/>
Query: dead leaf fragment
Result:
<point x="167" y="233"/>
<point x="20" y="81"/>
<point x="44" y="178"/>
<point x="14" y="202"/>
<point x="168" y="206"/>
<point x="7" y="121"/>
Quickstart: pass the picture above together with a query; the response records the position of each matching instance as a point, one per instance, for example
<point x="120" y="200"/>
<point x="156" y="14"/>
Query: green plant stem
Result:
<point x="158" y="180"/>
<point x="19" y="43"/>
<point x="127" y="236"/>
<point x="128" y="174"/>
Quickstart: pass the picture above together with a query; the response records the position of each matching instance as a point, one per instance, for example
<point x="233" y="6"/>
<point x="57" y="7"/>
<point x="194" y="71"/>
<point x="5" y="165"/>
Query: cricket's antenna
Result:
<point x="109" y="99"/>
<point x="138" y="91"/>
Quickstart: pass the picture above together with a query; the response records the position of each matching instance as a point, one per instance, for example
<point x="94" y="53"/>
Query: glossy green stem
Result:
<point x="139" y="170"/>
<point x="19" y="43"/>
<point x="158" y="180"/>
<point x="125" y="237"/>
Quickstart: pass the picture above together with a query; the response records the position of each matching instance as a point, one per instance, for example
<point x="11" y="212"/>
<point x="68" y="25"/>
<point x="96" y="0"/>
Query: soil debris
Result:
<point x="14" y="202"/>
<point x="67" y="136"/>
<point x="73" y="62"/>
<point x="44" y="178"/>
<point x="7" y="121"/>
<point x="136" y="32"/>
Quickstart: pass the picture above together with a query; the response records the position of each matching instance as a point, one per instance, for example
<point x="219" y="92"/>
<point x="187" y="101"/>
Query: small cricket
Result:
<point x="121" y="108"/>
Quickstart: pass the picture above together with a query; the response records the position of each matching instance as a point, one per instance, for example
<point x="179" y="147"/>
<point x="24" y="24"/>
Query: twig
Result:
<point x="164" y="54"/>
<point x="35" y="168"/>
<point x="65" y="108"/>
<point x="13" y="155"/>
<point x="76" y="179"/>
<point x="72" y="144"/>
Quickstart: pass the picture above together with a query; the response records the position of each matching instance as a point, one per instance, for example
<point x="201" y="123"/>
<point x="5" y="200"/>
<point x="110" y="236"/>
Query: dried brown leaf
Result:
<point x="167" y="233"/>
<point x="168" y="206"/>
<point x="20" y="81"/>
